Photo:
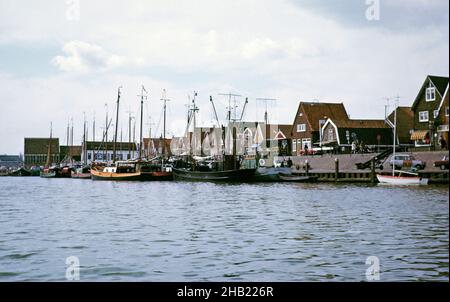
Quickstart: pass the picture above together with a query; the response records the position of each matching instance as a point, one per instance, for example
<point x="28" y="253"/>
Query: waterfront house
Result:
<point x="371" y="134"/>
<point x="426" y="108"/>
<point x="308" y="121"/>
<point x="36" y="150"/>
<point x="103" y="151"/>
<point x="405" y="125"/>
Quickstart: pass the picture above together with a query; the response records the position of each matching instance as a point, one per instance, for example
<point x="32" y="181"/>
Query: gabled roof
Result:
<point x="444" y="98"/>
<point x="440" y="83"/>
<point x="315" y="111"/>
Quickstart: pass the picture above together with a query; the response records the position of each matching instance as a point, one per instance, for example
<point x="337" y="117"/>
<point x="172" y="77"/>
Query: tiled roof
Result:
<point x="361" y="124"/>
<point x="322" y="111"/>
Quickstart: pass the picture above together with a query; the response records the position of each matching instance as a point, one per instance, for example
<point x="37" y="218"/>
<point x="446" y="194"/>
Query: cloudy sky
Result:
<point x="60" y="59"/>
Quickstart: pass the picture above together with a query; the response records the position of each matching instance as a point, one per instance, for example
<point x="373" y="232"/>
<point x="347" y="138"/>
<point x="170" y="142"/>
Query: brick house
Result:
<point x="405" y="124"/>
<point x="426" y="108"/>
<point x="369" y="133"/>
<point x="36" y="150"/>
<point x="310" y="117"/>
<point x="442" y="128"/>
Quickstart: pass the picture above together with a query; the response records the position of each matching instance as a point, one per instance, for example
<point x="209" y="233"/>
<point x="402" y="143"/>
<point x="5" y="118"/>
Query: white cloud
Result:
<point x="83" y="57"/>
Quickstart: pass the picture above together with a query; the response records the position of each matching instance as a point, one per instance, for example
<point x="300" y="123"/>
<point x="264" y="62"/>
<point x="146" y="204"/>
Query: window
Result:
<point x="436" y="113"/>
<point x="301" y="127"/>
<point x="446" y="111"/>
<point x="330" y="135"/>
<point x="423" y="116"/>
<point x="430" y="93"/>
<point x="294" y="145"/>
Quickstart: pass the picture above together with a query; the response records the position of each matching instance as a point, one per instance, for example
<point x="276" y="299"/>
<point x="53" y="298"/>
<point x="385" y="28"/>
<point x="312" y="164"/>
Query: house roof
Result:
<point x="405" y="115"/>
<point x="40" y="145"/>
<point x="439" y="82"/>
<point x="315" y="112"/>
<point x="361" y="124"/>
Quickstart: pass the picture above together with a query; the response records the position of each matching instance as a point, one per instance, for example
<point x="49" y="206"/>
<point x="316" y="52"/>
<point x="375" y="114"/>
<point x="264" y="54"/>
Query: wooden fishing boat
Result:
<point x="130" y="171"/>
<point x="56" y="172"/>
<point x="297" y="178"/>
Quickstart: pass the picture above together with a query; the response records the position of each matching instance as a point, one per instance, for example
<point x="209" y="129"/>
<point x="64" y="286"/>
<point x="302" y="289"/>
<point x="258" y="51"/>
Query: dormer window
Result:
<point x="430" y="93"/>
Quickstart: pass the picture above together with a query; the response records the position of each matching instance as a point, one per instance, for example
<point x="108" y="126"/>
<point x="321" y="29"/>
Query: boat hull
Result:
<point x="81" y="175"/>
<point x="243" y="175"/>
<point x="401" y="181"/>
<point x="297" y="178"/>
<point x="136" y="176"/>
<point x="270" y="174"/>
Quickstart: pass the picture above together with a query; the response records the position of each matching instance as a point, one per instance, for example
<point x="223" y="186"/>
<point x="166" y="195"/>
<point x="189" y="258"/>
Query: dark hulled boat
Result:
<point x="56" y="172"/>
<point x="241" y="175"/>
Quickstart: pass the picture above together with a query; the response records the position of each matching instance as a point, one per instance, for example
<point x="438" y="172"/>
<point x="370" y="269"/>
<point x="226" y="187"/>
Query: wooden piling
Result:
<point x="336" y="169"/>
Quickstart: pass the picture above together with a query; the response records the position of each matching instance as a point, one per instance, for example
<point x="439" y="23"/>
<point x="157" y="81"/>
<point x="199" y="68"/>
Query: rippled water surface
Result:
<point x="175" y="231"/>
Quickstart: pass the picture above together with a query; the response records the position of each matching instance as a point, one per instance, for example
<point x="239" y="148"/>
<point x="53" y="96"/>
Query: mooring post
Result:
<point x="372" y="171"/>
<point x="306" y="167"/>
<point x="336" y="168"/>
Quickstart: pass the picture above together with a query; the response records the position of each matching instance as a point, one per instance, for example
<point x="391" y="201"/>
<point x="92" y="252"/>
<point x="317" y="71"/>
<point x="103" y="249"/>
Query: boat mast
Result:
<point x="84" y="139"/>
<point x="47" y="164"/>
<point x="117" y="124"/>
<point x="395" y="134"/>
<point x="142" y="119"/>
<point x="165" y="100"/>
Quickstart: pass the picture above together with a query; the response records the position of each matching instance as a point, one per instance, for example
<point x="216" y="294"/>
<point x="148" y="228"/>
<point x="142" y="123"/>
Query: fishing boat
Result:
<point x="131" y="171"/>
<point x="20" y="172"/>
<point x="402" y="178"/>
<point x="56" y="172"/>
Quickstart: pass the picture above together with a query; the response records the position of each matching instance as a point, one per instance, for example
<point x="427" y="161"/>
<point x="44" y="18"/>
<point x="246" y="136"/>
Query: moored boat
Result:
<point x="242" y="175"/>
<point x="82" y="173"/>
<point x="401" y="180"/>
<point x="130" y="171"/>
<point x="297" y="178"/>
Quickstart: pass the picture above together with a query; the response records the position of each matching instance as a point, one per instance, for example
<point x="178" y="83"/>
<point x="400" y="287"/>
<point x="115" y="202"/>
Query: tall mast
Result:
<point x="47" y="164"/>
<point x="142" y="119"/>
<point x="84" y="139"/>
<point x="117" y="124"/>
<point x="194" y="136"/>
<point x="395" y="134"/>
<point x="165" y="100"/>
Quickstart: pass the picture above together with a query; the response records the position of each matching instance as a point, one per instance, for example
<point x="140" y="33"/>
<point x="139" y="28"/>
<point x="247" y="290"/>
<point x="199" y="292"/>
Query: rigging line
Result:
<point x="159" y="121"/>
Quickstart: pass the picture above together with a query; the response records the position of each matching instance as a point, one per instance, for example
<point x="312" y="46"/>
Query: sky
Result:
<point x="63" y="61"/>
